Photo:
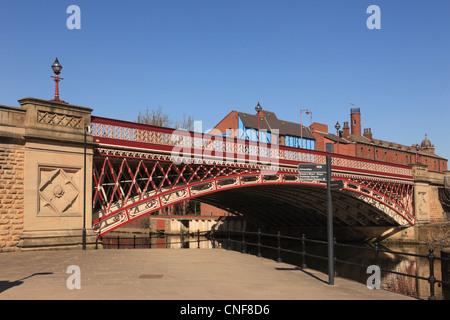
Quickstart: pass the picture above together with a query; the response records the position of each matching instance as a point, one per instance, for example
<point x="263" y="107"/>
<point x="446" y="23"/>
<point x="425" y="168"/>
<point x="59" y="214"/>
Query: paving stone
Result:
<point x="163" y="274"/>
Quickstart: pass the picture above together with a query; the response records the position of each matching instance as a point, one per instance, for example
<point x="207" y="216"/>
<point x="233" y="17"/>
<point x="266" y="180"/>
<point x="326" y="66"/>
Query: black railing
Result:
<point x="431" y="257"/>
<point x="227" y="238"/>
<point x="241" y="237"/>
<point x="151" y="241"/>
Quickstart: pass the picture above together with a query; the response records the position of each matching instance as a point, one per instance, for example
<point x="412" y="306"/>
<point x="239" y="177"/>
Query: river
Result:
<point x="411" y="265"/>
<point x="356" y="254"/>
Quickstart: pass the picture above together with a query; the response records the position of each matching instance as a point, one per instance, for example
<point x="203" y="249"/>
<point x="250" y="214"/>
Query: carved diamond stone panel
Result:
<point x="59" y="191"/>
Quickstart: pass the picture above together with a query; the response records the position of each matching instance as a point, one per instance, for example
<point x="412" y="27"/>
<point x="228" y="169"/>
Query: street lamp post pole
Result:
<point x="258" y="109"/>
<point x="337" y="127"/>
<point x="417" y="153"/>
<point x="301" y="125"/>
<point x="86" y="131"/>
<point x="57" y="67"/>
<point x="259" y="134"/>
<point x="330" y="233"/>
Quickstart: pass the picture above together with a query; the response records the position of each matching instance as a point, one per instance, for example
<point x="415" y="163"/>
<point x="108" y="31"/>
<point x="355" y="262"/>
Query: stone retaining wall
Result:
<point x="11" y="197"/>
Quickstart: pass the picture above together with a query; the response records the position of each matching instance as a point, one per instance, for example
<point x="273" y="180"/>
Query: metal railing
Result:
<point x="231" y="148"/>
<point x="151" y="241"/>
<point x="242" y="239"/>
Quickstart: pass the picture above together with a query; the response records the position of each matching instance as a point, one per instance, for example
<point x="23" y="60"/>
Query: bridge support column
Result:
<point x="427" y="206"/>
<point x="50" y="136"/>
<point x="429" y="212"/>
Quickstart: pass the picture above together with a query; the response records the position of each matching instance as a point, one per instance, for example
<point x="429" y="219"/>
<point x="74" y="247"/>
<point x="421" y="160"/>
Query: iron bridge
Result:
<point x="139" y="169"/>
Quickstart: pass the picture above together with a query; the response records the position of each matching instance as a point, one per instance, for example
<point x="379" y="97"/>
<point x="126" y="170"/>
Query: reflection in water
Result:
<point x="416" y="266"/>
<point x="157" y="242"/>
<point x="400" y="283"/>
<point x="360" y="258"/>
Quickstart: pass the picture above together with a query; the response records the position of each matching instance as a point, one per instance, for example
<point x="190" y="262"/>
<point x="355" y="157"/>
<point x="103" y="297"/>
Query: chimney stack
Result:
<point x="355" y="117"/>
<point x="368" y="133"/>
<point x="346" y="130"/>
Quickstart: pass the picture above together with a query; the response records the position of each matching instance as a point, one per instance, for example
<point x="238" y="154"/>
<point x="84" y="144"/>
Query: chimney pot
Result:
<point x="368" y="133"/>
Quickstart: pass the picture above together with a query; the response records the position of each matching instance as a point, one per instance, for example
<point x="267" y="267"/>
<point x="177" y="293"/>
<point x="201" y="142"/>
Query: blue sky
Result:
<point x="206" y="58"/>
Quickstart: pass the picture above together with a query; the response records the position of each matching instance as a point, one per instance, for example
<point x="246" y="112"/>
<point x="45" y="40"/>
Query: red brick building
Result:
<point x="352" y="143"/>
<point x="350" y="140"/>
<point x="264" y="126"/>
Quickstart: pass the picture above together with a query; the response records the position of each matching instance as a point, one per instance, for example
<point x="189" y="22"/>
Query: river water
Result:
<point x="360" y="256"/>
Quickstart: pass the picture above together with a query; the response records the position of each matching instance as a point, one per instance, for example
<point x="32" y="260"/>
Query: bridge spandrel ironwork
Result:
<point x="139" y="169"/>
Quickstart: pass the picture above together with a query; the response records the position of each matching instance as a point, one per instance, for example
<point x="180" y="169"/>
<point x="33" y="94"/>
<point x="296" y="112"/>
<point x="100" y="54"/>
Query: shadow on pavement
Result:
<point x="304" y="271"/>
<point x="5" y="285"/>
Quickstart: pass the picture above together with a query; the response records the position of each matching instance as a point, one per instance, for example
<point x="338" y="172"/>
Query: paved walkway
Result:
<point x="164" y="274"/>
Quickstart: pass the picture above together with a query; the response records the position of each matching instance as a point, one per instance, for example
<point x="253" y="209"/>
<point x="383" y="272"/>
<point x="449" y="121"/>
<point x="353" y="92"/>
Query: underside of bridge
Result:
<point x="125" y="189"/>
<point x="296" y="209"/>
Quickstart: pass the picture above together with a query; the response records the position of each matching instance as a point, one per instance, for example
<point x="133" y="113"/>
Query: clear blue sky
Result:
<point x="208" y="57"/>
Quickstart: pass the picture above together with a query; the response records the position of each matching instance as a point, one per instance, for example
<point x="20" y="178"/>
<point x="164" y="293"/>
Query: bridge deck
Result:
<point x="140" y="169"/>
<point x="159" y="274"/>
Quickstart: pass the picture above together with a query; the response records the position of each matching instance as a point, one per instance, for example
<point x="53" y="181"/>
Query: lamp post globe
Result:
<point x="258" y="108"/>
<point x="337" y="126"/>
<point x="57" y="67"/>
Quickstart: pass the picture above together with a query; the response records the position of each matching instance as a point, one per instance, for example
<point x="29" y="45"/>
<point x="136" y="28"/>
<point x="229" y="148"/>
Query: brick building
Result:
<point x="351" y="142"/>
<point x="264" y="126"/>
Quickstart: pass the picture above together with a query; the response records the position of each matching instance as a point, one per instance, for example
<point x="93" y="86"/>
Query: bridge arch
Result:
<point x="128" y="188"/>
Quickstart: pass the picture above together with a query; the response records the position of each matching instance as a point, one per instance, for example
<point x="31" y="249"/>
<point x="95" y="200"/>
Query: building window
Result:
<point x="329" y="147"/>
<point x="296" y="142"/>
<point x="253" y="134"/>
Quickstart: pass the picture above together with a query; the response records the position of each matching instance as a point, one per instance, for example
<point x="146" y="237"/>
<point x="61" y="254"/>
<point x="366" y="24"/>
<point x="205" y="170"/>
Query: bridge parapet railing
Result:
<point x="129" y="134"/>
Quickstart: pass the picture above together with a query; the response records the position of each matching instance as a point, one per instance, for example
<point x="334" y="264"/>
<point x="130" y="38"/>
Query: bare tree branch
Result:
<point x="159" y="118"/>
<point x="186" y="123"/>
<point x="154" y="117"/>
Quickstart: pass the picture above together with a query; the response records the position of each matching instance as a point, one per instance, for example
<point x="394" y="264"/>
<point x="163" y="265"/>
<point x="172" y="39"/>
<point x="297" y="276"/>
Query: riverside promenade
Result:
<point x="168" y="274"/>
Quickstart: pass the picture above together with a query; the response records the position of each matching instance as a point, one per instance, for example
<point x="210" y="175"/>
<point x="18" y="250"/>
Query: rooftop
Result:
<point x="269" y="121"/>
<point x="390" y="145"/>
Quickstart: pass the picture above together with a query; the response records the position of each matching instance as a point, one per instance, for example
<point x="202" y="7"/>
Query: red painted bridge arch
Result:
<point x="139" y="169"/>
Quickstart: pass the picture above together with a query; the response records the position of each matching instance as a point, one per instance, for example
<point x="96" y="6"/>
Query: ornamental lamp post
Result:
<point x="57" y="67"/>
<point x="87" y="130"/>
<point x="337" y="127"/>
<point x="417" y="153"/>
<point x="258" y="109"/>
<point x="301" y="125"/>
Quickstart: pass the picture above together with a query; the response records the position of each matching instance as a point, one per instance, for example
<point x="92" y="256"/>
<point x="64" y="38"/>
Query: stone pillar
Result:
<point x="421" y="193"/>
<point x="429" y="212"/>
<point x="427" y="206"/>
<point x="50" y="136"/>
